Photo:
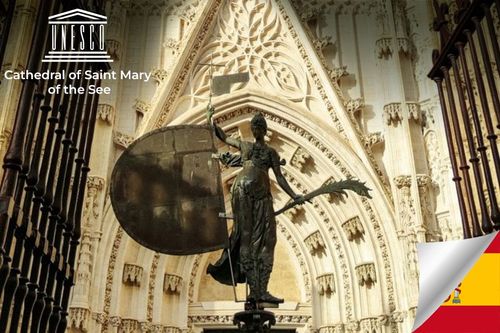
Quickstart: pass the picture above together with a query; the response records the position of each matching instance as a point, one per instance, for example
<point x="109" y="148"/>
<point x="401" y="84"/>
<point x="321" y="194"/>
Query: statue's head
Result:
<point x="259" y="126"/>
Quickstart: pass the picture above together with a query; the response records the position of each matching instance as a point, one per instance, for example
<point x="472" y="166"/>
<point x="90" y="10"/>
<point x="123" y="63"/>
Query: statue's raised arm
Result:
<point x="219" y="132"/>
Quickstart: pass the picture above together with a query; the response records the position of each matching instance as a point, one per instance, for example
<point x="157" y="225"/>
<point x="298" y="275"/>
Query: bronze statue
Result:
<point x="254" y="233"/>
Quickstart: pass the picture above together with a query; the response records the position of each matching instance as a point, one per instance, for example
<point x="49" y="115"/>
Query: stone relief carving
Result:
<point x="132" y="274"/>
<point x="374" y="139"/>
<point x="326" y="284"/>
<point x="159" y="75"/>
<point x="106" y="113"/>
<point x="121" y="139"/>
<point x="426" y="194"/>
<point x="151" y="286"/>
<point x="79" y="318"/>
<point x="353" y="228"/>
<point x="337" y="328"/>
<point x="335" y="74"/>
<point x="354" y="106"/>
<point x="88" y="243"/>
<point x="392" y="113"/>
<point x="300" y="158"/>
<point x="407" y="206"/>
<point x="366" y="274"/>
<point x="414" y="112"/>
<point x="142" y="106"/>
<point x="315" y="242"/>
<point x="172" y="283"/>
<point x="192" y="277"/>
<point x="373" y="324"/>
<point x="409" y="226"/>
<point x="109" y="275"/>
<point x="91" y="211"/>
<point x="266" y="52"/>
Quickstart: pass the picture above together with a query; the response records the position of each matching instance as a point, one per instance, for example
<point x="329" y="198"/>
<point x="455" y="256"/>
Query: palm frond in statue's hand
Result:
<point x="338" y="187"/>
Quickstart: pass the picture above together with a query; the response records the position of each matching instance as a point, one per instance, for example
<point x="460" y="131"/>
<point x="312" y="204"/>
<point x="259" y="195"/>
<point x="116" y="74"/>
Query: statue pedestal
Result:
<point x="255" y="318"/>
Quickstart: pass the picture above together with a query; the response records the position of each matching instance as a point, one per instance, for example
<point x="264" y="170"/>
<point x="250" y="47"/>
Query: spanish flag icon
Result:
<point x="473" y="305"/>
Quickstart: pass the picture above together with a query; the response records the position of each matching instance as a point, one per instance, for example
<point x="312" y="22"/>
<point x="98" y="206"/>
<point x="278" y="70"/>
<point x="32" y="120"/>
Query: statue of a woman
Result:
<point x="254" y="233"/>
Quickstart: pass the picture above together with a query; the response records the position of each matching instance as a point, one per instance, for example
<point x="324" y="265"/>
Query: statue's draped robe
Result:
<point x="253" y="238"/>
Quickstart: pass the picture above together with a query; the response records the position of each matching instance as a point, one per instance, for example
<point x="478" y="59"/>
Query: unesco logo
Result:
<point x="77" y="36"/>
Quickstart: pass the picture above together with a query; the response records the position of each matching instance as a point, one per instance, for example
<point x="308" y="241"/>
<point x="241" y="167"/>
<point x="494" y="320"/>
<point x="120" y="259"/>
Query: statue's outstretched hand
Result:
<point x="299" y="199"/>
<point x="210" y="113"/>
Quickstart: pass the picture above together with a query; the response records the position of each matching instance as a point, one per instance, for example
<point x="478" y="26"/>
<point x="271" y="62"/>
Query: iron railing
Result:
<point x="465" y="71"/>
<point x="42" y="189"/>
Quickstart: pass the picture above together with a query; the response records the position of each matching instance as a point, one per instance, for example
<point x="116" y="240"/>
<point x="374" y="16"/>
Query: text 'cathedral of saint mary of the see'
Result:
<point x="401" y="95"/>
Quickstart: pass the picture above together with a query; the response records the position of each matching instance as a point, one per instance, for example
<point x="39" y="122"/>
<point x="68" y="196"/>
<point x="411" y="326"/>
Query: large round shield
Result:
<point x="166" y="191"/>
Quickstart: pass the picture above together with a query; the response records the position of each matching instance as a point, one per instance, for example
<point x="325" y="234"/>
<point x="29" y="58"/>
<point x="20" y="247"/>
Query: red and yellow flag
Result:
<point x="474" y="306"/>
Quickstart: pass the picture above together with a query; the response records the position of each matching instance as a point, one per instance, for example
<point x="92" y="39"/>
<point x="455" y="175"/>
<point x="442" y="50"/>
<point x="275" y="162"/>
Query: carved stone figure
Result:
<point x="254" y="234"/>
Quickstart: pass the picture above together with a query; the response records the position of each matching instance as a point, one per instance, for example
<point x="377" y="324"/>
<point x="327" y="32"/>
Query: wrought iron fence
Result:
<point x="42" y="189"/>
<point x="466" y="71"/>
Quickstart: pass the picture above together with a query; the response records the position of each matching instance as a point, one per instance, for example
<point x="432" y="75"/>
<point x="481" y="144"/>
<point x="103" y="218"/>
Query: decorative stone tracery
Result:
<point x="132" y="274"/>
<point x="353" y="228"/>
<point x="366" y="274"/>
<point x="326" y="284"/>
<point x="315" y="243"/>
<point x="172" y="283"/>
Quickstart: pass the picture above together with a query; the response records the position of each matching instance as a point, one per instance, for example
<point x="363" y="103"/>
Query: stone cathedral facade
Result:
<point x="343" y="85"/>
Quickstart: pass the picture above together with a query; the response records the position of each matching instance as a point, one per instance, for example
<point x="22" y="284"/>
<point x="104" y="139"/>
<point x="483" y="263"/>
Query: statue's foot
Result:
<point x="268" y="298"/>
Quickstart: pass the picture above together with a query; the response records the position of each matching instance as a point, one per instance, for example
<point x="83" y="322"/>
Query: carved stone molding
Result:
<point x="129" y="325"/>
<point x="315" y="243"/>
<point x="109" y="275"/>
<point x="373" y="139"/>
<point x="121" y="139"/>
<point x="392" y="113"/>
<point x="336" y="328"/>
<point x="402" y="181"/>
<point x="142" y="106"/>
<point x="106" y="113"/>
<point x="414" y="112"/>
<point x="91" y="210"/>
<point x="115" y="321"/>
<point x="172" y="283"/>
<point x="78" y="318"/>
<point x="425" y="190"/>
<point x="326" y="284"/>
<point x="337" y="73"/>
<point x="151" y="286"/>
<point x="321" y="43"/>
<point x="192" y="277"/>
<point x="398" y="316"/>
<point x="132" y="274"/>
<point x="373" y="324"/>
<point x="294" y="212"/>
<point x="228" y="319"/>
<point x="159" y="75"/>
<point x="353" y="106"/>
<point x="353" y="228"/>
<point x="366" y="274"/>
<point x="300" y="158"/>
<point x="384" y="46"/>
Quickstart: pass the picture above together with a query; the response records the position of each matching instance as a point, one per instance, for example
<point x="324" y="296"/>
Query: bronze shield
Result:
<point x="166" y="191"/>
